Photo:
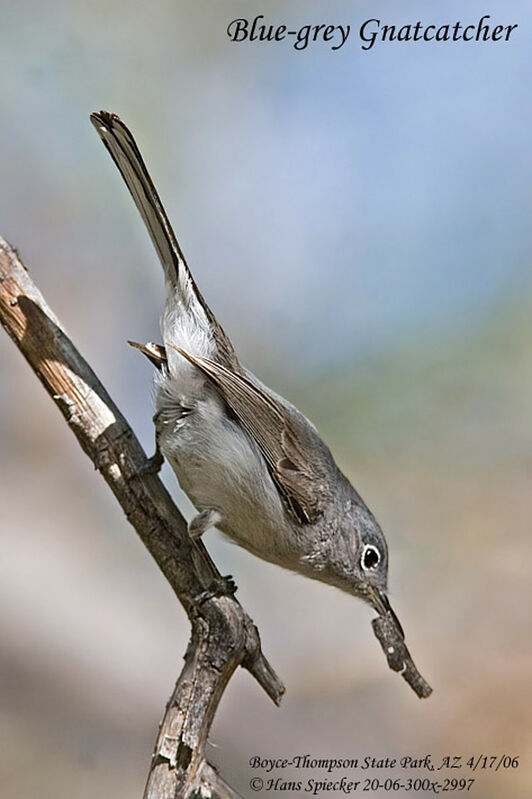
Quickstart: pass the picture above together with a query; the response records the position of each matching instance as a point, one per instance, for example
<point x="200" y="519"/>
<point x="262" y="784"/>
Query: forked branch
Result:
<point x="223" y="635"/>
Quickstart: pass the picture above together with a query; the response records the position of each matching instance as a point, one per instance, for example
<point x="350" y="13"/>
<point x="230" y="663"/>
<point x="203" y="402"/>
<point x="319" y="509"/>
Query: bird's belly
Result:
<point x="218" y="466"/>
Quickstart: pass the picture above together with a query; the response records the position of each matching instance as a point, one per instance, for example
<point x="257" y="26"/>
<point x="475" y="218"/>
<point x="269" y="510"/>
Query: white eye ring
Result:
<point x="371" y="557"/>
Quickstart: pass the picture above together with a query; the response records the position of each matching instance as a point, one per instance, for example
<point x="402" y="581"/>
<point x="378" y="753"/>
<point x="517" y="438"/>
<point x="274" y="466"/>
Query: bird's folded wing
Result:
<point x="293" y="468"/>
<point x="155" y="353"/>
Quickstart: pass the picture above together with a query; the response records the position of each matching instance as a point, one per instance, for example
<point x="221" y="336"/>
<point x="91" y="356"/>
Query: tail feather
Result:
<point x="123" y="150"/>
<point x="186" y="309"/>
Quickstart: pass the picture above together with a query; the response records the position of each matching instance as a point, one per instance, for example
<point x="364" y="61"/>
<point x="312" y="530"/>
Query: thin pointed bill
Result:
<point x="391" y="637"/>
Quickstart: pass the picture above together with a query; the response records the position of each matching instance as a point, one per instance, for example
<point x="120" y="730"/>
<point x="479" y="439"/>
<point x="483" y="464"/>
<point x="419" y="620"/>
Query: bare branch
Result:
<point x="223" y="635"/>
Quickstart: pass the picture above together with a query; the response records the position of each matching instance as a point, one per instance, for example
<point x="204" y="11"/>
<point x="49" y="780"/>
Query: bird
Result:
<point x="252" y="464"/>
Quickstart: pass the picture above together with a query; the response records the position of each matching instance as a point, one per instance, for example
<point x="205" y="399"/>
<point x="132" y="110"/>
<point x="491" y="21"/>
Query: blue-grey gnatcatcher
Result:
<point x="251" y="463"/>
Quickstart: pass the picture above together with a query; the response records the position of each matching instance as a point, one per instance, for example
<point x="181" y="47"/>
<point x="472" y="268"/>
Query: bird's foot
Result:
<point x="152" y="465"/>
<point x="224" y="586"/>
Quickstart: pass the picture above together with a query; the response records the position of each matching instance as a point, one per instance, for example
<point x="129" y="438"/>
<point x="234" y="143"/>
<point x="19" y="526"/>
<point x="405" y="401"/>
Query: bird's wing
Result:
<point x="292" y="466"/>
<point x="155" y="353"/>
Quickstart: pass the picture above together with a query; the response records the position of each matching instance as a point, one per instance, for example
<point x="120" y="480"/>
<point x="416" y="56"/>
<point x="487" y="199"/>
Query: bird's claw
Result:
<point x="152" y="465"/>
<point x="225" y="586"/>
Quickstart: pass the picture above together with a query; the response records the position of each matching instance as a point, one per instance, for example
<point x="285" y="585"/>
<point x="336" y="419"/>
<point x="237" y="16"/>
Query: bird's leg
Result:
<point x="203" y="521"/>
<point x="225" y="586"/>
<point x="153" y="465"/>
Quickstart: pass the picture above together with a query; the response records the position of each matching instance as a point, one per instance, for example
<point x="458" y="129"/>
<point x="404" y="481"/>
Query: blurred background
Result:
<point x="359" y="222"/>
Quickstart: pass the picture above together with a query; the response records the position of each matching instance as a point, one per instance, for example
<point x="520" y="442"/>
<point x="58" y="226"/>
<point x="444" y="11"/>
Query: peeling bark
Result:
<point x="223" y="636"/>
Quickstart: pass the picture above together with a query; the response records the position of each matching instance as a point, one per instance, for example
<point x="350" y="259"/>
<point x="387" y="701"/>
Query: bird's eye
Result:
<point x="370" y="557"/>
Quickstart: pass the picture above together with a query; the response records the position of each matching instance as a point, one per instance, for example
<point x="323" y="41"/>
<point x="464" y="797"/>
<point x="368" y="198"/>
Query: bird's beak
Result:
<point x="378" y="599"/>
<point x="381" y="603"/>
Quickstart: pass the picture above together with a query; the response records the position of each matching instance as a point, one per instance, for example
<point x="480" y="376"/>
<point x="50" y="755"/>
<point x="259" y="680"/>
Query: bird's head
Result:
<point x="352" y="554"/>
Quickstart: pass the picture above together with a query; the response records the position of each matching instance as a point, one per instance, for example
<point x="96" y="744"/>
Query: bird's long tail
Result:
<point x="183" y="295"/>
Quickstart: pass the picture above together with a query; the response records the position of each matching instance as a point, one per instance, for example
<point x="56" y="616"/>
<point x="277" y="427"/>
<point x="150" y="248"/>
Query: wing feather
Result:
<point x="291" y="466"/>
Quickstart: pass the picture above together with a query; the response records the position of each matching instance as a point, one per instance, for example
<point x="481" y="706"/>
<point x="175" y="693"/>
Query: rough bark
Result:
<point x="223" y="635"/>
